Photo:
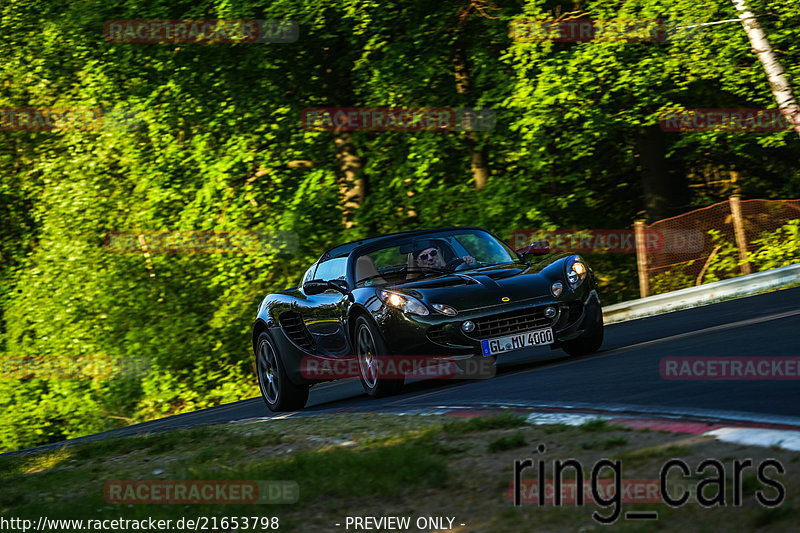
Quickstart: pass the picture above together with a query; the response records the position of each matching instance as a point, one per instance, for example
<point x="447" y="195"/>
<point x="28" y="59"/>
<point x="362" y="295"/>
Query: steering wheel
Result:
<point x="454" y="263"/>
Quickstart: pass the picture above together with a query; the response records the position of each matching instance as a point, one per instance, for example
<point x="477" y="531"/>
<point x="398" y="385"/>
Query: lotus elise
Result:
<point x="456" y="294"/>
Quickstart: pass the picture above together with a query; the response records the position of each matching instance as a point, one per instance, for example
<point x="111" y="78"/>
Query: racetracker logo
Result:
<point x="199" y="242"/>
<point x="200" y="492"/>
<point x="397" y="367"/>
<point x="397" y="119"/>
<point x="609" y="30"/>
<point x="730" y="120"/>
<point x="62" y="366"/>
<point x="632" y="491"/>
<point x="55" y="367"/>
<point x="52" y="119"/>
<point x="201" y="31"/>
<point x="611" y="240"/>
<point x="730" y="368"/>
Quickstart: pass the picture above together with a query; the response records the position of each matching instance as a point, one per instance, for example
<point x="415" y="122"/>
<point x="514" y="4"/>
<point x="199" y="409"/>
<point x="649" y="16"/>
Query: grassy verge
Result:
<point x="390" y="465"/>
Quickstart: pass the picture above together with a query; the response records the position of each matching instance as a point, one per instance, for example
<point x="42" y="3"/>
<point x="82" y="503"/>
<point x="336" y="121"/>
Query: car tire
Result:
<point x="369" y="343"/>
<point x="279" y="393"/>
<point x="590" y="342"/>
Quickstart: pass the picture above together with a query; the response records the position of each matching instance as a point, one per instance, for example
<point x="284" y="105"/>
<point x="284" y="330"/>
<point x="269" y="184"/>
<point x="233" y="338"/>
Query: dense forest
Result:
<point x="212" y="140"/>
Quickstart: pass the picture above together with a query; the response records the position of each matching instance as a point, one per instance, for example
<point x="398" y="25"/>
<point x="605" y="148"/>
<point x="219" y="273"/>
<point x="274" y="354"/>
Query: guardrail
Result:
<point x="702" y="294"/>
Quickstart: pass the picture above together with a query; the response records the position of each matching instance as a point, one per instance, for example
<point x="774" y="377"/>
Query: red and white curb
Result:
<point x="752" y="436"/>
<point x="746" y="433"/>
<point x="781" y="438"/>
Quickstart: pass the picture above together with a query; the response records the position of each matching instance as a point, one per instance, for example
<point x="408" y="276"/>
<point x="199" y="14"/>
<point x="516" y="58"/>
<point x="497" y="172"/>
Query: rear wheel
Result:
<point x="278" y="392"/>
<point x="370" y="349"/>
<point x="590" y="342"/>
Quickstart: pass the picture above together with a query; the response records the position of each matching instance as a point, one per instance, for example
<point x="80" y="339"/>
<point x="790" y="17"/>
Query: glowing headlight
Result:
<point x="576" y="271"/>
<point x="407" y="304"/>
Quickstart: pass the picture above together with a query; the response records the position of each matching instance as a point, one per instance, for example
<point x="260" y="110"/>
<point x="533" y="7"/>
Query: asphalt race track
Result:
<point x="624" y="375"/>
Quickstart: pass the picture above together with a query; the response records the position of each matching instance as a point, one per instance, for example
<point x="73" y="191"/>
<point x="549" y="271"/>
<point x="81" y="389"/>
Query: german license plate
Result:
<point x="539" y="337"/>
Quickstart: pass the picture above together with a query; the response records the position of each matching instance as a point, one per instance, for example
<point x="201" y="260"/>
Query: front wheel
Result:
<point x="371" y="353"/>
<point x="278" y="392"/>
<point x="590" y="342"/>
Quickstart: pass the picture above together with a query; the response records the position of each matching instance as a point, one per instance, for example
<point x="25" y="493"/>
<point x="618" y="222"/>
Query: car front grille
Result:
<point x="294" y="328"/>
<point x="437" y="334"/>
<point x="510" y="323"/>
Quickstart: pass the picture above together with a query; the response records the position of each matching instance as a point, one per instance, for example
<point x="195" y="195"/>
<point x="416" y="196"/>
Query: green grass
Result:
<point x="350" y="464"/>
<point x="400" y="466"/>
<point x="509" y="442"/>
<point x="654" y="452"/>
<point x="550" y="429"/>
<point x="503" y="421"/>
<point x="605" y="444"/>
<point x="341" y="473"/>
<point x="766" y="517"/>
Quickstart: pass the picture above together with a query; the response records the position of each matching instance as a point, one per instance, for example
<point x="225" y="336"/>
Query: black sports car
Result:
<point x="454" y="293"/>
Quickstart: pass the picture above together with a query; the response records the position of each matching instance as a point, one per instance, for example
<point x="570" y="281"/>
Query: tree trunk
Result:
<point x="663" y="183"/>
<point x="775" y="72"/>
<point x="479" y="161"/>
<point x="352" y="183"/>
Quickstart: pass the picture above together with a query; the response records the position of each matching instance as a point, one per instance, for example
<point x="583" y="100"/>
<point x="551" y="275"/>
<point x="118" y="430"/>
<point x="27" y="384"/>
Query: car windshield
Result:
<point x="432" y="254"/>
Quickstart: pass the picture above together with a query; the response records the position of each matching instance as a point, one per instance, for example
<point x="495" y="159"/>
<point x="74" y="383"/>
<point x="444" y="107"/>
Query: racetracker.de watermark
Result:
<point x="199" y="242"/>
<point x="611" y="240"/>
<point x="397" y="119"/>
<point x="60" y="119"/>
<point x="397" y="367"/>
<point x="65" y="366"/>
<point x="729" y="120"/>
<point x="730" y="368"/>
<point x="201" y="31"/>
<point x="631" y="490"/>
<point x="201" y="492"/>
<point x="598" y="30"/>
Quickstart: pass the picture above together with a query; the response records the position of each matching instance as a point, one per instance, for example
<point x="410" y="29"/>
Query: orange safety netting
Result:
<point x="688" y="245"/>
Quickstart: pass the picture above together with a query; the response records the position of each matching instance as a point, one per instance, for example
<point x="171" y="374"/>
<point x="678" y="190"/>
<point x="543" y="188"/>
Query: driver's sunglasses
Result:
<point x="431" y="254"/>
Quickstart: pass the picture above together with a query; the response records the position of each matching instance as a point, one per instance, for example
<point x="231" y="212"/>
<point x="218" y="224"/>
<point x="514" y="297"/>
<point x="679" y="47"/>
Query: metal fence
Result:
<point x="685" y="262"/>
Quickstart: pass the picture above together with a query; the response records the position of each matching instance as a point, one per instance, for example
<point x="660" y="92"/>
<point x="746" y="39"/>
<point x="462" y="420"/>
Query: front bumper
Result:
<point x="439" y="335"/>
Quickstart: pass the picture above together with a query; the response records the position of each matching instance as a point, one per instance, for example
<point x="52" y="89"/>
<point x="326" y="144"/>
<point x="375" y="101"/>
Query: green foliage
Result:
<point x="772" y="250"/>
<point x="778" y="249"/>
<point x="671" y="280"/>
<point x="725" y="263"/>
<point x="219" y="124"/>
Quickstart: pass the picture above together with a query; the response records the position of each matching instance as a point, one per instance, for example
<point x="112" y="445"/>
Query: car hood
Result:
<point x="488" y="286"/>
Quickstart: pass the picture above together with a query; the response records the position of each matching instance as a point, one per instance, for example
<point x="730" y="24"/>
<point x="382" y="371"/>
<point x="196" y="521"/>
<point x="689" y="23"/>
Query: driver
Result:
<point x="431" y="257"/>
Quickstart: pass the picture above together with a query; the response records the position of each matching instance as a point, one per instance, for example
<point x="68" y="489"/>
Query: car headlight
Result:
<point x="404" y="302"/>
<point x="445" y="309"/>
<point x="576" y="271"/>
<point x="557" y="288"/>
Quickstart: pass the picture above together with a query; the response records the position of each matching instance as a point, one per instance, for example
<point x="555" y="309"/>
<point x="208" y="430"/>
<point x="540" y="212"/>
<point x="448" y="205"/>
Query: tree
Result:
<point x="776" y="74"/>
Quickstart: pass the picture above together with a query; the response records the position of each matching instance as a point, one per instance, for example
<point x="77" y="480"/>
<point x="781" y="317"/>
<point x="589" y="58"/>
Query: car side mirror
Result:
<point x="535" y="248"/>
<point x="315" y="286"/>
<point x="339" y="285"/>
<point x="318" y="286"/>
